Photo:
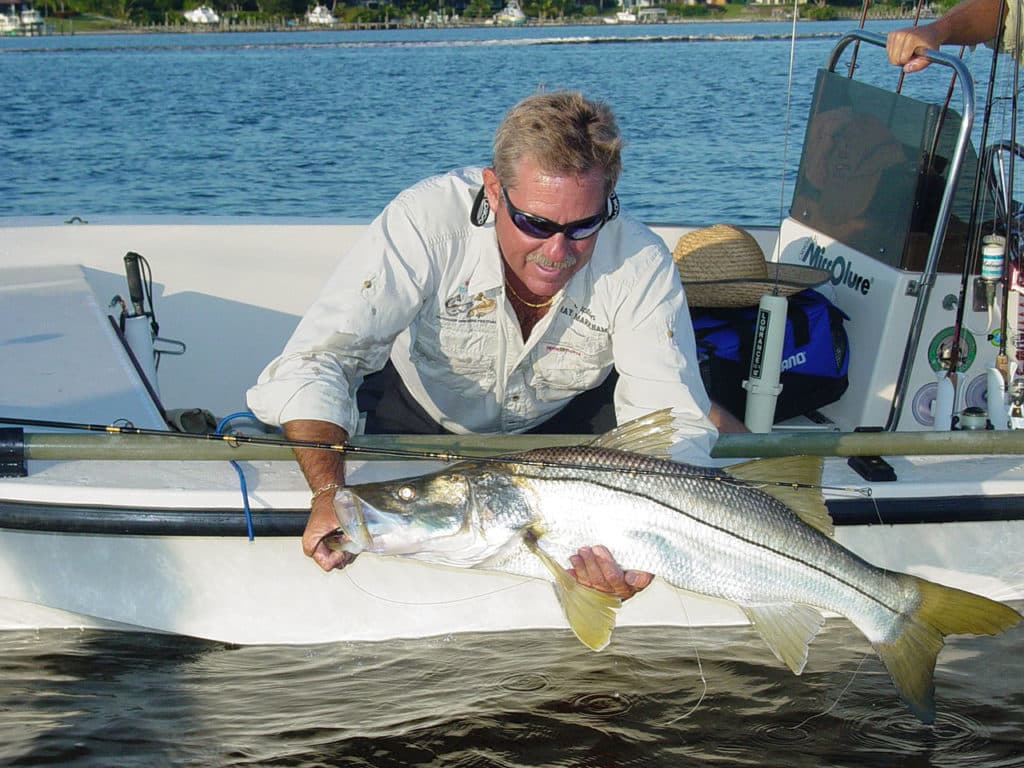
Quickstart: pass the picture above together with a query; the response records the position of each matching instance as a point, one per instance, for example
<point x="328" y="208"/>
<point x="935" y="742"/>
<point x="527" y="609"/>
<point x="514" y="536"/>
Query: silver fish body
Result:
<point x="701" y="529"/>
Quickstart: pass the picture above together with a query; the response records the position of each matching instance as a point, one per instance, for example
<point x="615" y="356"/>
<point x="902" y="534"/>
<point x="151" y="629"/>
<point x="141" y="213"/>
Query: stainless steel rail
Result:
<point x="927" y="279"/>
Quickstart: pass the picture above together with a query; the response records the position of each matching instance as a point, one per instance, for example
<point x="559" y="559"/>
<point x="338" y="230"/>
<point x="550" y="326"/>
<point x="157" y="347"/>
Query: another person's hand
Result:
<point x="596" y="568"/>
<point x="322" y="521"/>
<point x="902" y="46"/>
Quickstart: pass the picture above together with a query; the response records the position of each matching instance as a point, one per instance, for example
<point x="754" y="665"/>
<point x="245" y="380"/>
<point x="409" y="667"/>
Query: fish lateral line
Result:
<point x="534" y="533"/>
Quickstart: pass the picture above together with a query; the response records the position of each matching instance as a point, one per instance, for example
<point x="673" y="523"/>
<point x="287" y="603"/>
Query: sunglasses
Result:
<point x="541" y="228"/>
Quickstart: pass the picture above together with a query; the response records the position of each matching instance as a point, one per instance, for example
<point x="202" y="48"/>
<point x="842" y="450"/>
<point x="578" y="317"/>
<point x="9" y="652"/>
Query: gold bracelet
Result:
<point x="324" y="489"/>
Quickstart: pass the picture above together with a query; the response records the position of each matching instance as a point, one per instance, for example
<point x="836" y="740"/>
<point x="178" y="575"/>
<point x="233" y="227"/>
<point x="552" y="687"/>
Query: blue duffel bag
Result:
<point x="815" y="354"/>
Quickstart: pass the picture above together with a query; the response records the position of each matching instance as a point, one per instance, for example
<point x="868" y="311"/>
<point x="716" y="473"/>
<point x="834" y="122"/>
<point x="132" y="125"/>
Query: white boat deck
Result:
<point x="62" y="355"/>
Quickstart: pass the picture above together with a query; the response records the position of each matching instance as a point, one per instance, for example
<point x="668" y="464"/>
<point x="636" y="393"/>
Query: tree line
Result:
<point x="383" y="11"/>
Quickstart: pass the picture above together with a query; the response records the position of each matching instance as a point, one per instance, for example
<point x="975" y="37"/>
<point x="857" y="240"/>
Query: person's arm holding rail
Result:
<point x="967" y="23"/>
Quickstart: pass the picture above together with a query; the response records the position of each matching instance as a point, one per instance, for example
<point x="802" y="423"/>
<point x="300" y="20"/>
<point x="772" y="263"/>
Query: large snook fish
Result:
<point x="739" y="535"/>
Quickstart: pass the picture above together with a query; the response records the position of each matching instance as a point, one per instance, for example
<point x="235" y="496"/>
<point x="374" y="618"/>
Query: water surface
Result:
<point x="334" y="124"/>
<point x="655" y="697"/>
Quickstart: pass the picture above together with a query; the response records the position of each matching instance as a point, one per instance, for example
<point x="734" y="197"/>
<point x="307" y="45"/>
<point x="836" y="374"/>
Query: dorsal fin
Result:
<point x="650" y="435"/>
<point x="804" y="472"/>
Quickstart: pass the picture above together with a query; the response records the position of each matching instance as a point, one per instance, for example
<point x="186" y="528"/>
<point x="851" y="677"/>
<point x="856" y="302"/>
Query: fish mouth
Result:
<point x="355" y="534"/>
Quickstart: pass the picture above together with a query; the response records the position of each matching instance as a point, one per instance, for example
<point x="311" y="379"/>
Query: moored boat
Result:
<point x="511" y="15"/>
<point x="31" y="21"/>
<point x="10" y="23"/>
<point x="321" y="15"/>
<point x="28" y="21"/>
<point x="124" y="532"/>
<point x="204" y="14"/>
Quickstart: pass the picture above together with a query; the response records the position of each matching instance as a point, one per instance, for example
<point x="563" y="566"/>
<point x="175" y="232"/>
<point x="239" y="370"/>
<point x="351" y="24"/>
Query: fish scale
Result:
<point x="748" y="525"/>
<point x="724" y="534"/>
<point x="723" y="527"/>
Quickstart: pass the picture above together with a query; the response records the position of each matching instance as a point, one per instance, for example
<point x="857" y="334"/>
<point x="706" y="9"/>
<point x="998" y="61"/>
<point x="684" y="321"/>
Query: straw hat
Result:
<point x="723" y="266"/>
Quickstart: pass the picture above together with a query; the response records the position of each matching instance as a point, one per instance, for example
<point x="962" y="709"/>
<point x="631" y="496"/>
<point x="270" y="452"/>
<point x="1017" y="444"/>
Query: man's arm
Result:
<point x="967" y="23"/>
<point x="724" y="420"/>
<point x="323" y="469"/>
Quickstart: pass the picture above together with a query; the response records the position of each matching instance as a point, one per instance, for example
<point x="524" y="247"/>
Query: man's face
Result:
<point x="544" y="266"/>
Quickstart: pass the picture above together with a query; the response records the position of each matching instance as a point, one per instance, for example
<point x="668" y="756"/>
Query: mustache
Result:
<point x="539" y="258"/>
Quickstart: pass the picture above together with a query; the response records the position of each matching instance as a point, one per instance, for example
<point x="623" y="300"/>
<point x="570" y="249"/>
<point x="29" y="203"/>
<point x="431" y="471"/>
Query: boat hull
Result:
<point x="194" y="571"/>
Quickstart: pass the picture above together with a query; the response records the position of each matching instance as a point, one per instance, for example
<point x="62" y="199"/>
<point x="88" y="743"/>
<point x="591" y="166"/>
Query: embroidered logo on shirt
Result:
<point x="481" y="305"/>
<point x="583" y="316"/>
<point x="462" y="305"/>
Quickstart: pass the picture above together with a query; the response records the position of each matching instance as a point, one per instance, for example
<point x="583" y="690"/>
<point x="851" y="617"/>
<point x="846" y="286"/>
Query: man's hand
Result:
<point x="323" y="470"/>
<point x="596" y="568"/>
<point x="322" y="521"/>
<point x="902" y="46"/>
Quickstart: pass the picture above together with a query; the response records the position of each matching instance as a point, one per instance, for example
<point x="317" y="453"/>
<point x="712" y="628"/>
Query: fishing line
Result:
<point x="839" y="698"/>
<point x="785" y="129"/>
<point x="874" y="503"/>
<point x="416" y="604"/>
<point x="700" y="665"/>
<point x="848" y="489"/>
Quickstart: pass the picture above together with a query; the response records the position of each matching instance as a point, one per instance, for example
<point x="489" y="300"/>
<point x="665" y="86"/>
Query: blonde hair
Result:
<point x="562" y="132"/>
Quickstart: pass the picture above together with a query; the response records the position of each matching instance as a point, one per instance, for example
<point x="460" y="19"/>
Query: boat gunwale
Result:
<point x="134" y="520"/>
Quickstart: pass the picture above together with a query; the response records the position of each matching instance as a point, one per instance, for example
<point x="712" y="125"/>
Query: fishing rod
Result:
<point x="496" y="456"/>
<point x="1002" y="360"/>
<point x="975" y="224"/>
<point x="129" y="443"/>
<point x="234" y="439"/>
<point x="856" y="43"/>
<point x="929" y="163"/>
<point x="126" y="430"/>
<point x="917" y="19"/>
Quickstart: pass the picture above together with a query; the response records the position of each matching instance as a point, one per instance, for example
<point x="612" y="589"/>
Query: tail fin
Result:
<point x="911" y="657"/>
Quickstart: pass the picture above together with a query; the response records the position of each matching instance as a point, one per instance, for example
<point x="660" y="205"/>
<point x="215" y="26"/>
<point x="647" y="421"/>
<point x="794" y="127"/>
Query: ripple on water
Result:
<point x="957" y="738"/>
<point x="523" y="682"/>
<point x="608" y="705"/>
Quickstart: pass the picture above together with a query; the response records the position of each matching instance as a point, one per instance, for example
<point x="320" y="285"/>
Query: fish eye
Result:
<point x="407" y="493"/>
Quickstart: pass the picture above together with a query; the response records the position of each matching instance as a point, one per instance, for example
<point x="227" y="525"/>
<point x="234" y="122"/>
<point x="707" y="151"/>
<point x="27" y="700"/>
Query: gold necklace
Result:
<point x="524" y="302"/>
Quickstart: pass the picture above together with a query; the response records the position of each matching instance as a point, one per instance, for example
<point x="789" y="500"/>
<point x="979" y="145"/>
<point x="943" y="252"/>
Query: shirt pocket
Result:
<point x="455" y="354"/>
<point x="570" y="363"/>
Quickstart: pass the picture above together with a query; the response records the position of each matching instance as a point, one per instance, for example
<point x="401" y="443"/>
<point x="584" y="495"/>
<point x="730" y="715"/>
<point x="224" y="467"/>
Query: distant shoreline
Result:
<point x="66" y="27"/>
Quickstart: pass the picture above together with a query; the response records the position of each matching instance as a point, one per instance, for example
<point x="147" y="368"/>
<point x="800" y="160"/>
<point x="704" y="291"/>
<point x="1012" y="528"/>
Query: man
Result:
<point x="967" y="23"/>
<point x="464" y="321"/>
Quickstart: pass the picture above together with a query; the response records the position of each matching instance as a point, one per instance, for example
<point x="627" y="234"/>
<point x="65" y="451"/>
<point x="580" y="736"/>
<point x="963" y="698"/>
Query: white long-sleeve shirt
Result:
<point x="426" y="287"/>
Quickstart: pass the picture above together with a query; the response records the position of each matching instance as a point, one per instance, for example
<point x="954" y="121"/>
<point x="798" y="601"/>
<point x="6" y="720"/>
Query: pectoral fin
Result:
<point x="590" y="613"/>
<point x="788" y="629"/>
